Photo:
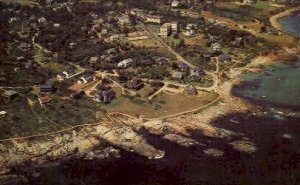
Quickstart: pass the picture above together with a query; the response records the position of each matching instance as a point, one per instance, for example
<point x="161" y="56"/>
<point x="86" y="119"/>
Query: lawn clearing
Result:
<point x="162" y="105"/>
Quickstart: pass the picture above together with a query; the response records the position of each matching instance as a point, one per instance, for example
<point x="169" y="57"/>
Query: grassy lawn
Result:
<point x="21" y="121"/>
<point x="145" y="91"/>
<point x="162" y="105"/>
<point x="242" y="13"/>
<point x="197" y="40"/>
<point x="22" y="2"/>
<point x="280" y="40"/>
<point x="55" y="67"/>
<point x="152" y="45"/>
<point x="71" y="111"/>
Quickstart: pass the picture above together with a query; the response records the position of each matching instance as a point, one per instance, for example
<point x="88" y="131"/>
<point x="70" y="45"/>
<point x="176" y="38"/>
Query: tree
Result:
<point x="181" y="43"/>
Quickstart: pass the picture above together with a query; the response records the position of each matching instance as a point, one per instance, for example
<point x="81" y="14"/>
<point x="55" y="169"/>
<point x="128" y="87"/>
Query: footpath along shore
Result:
<point x="275" y="18"/>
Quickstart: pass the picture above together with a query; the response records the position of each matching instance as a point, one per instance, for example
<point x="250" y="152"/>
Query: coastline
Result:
<point x="275" y="18"/>
<point x="86" y="143"/>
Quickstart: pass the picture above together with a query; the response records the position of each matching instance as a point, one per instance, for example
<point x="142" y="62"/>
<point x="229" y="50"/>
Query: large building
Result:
<point x="165" y="30"/>
<point x="124" y="20"/>
<point x="174" y="27"/>
<point x="153" y="19"/>
<point x="168" y="28"/>
<point x="138" y="13"/>
<point x="175" y="4"/>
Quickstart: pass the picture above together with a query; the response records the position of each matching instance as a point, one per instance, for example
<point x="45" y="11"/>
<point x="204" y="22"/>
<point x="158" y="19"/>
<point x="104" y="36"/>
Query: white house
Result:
<point x="248" y="2"/>
<point x="69" y="73"/>
<point x="215" y="47"/>
<point x="42" y="20"/>
<point x="175" y="4"/>
<point x="189" y="32"/>
<point x="86" y="78"/>
<point x="3" y="114"/>
<point x="125" y="63"/>
<point x="56" y="25"/>
<point x="124" y="20"/>
<point x="191" y="26"/>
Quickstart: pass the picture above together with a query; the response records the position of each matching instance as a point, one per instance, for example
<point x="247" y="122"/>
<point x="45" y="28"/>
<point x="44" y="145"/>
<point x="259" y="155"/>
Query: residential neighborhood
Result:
<point x="137" y="74"/>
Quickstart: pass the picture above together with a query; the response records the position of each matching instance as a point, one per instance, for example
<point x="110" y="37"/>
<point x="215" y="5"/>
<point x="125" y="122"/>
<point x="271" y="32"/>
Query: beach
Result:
<point x="275" y="18"/>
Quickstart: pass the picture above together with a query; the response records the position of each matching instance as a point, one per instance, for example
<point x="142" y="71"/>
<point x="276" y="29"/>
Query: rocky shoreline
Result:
<point x="106" y="139"/>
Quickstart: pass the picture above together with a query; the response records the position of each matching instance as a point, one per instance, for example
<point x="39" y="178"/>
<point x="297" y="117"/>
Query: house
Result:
<point x="182" y="66"/>
<point x="248" y="2"/>
<point x="237" y="41"/>
<point x="104" y="96"/>
<point x="190" y="90"/>
<point x="191" y="26"/>
<point x="69" y="73"/>
<point x="174" y="26"/>
<point x="42" y="20"/>
<point x="225" y="58"/>
<point x="20" y="58"/>
<point x="72" y="45"/>
<point x="162" y="61"/>
<point x="124" y="20"/>
<point x="56" y="25"/>
<point x="153" y="19"/>
<point x="135" y="83"/>
<point x="28" y="64"/>
<point x="146" y="62"/>
<point x="189" y="32"/>
<point x="125" y="63"/>
<point x="93" y="60"/>
<point x="3" y="114"/>
<point x="215" y="47"/>
<point x="175" y="4"/>
<point x="177" y="75"/>
<point x="66" y="74"/>
<point x="43" y="100"/>
<point x="47" y="87"/>
<point x="207" y="56"/>
<point x="93" y="15"/>
<point x="9" y="94"/>
<point x="116" y="37"/>
<point x="109" y="57"/>
<point x="24" y="46"/>
<point x="197" y="72"/>
<point x="13" y="19"/>
<point x="165" y="30"/>
<point x="138" y="13"/>
<point x="86" y="78"/>
<point x="110" y="51"/>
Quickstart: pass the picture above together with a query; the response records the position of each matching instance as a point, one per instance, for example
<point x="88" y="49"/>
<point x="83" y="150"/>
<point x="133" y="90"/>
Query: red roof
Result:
<point x="44" y="99"/>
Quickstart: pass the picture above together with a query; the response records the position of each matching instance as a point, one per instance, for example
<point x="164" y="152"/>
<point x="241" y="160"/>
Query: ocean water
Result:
<point x="278" y="84"/>
<point x="292" y="23"/>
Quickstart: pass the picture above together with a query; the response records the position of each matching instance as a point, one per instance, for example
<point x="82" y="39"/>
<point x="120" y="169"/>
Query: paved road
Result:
<point x="178" y="56"/>
<point x="214" y="76"/>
